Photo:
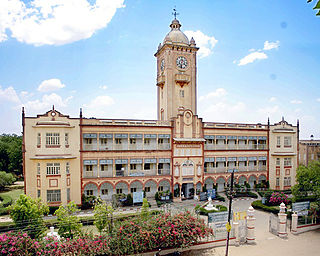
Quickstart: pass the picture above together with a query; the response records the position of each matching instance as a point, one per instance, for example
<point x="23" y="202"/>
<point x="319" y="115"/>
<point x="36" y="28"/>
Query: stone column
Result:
<point x="250" y="226"/>
<point x="294" y="223"/>
<point x="282" y="230"/>
<point x="236" y="233"/>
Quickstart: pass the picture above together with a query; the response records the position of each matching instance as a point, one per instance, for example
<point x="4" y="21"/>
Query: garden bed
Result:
<point x="202" y="211"/>
<point x="260" y="206"/>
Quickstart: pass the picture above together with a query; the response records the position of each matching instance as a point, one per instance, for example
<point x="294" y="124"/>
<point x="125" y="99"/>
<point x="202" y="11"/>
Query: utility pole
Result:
<point x="228" y="226"/>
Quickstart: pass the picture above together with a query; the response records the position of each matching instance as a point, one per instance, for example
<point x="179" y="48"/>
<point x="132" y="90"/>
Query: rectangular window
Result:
<point x="278" y="162"/>
<point x="87" y="141"/>
<point x="103" y="141"/>
<point x="287" y="141"/>
<point x="38" y="168"/>
<point x="133" y="190"/>
<point x="182" y="93"/>
<point x="147" y="141"/>
<point x="54" y="195"/>
<point x="53" y="139"/>
<point x="133" y="166"/>
<point x="104" y="191"/>
<point x="278" y="141"/>
<point x="147" y="189"/>
<point x="103" y="167"/>
<point x="277" y="182"/>
<point x="160" y="141"/>
<point x="160" y="188"/>
<point x="132" y="141"/>
<point x="68" y="194"/>
<point x="89" y="168"/>
<point x="39" y="139"/>
<point x="278" y="172"/>
<point x="287" y="181"/>
<point x="66" y="139"/>
<point x="287" y="161"/>
<point x="118" y="141"/>
<point x="89" y="192"/>
<point x="147" y="167"/>
<point x="53" y="168"/>
<point x="39" y="193"/>
<point x="67" y="168"/>
<point x="119" y="191"/>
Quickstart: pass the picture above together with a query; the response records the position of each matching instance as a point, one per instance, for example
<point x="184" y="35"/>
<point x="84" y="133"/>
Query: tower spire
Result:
<point x="175" y="13"/>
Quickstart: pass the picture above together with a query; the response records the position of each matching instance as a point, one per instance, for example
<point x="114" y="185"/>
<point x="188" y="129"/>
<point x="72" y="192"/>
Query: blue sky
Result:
<point x="257" y="59"/>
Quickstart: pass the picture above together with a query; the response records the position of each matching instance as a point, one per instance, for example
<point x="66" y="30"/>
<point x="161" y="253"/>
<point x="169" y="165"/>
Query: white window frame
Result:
<point x="287" y="161"/>
<point x="53" y="138"/>
<point x="278" y="141"/>
<point x="53" y="168"/>
<point x="287" y="141"/>
<point x="54" y="195"/>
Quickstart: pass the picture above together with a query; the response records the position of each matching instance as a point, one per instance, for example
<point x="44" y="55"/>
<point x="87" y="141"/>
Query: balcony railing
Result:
<point x="164" y="146"/>
<point x="235" y="147"/>
<point x="105" y="174"/>
<point x="163" y="171"/>
<point x="89" y="146"/>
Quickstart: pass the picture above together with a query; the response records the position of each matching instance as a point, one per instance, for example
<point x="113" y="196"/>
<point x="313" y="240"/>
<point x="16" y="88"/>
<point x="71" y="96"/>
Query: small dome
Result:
<point x="176" y="35"/>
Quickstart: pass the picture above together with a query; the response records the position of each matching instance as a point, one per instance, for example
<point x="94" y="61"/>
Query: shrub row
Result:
<point x="203" y="211"/>
<point x="5" y="202"/>
<point x="259" y="205"/>
<point x="128" y="237"/>
<point x="246" y="194"/>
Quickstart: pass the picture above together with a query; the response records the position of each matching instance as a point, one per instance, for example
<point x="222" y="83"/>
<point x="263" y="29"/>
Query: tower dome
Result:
<point x="176" y="35"/>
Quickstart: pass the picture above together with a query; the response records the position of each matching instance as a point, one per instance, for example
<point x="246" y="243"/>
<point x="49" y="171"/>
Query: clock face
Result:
<point x="162" y="65"/>
<point x="182" y="62"/>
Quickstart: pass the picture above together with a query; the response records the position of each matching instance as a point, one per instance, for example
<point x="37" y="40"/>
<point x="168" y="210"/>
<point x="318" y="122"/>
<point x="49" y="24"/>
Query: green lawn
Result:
<point x="14" y="193"/>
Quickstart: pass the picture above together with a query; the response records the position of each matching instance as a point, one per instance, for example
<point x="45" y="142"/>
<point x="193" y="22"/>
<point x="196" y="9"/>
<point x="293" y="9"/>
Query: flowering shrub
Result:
<point x="135" y="236"/>
<point x="18" y="244"/>
<point x="181" y="230"/>
<point x="277" y="198"/>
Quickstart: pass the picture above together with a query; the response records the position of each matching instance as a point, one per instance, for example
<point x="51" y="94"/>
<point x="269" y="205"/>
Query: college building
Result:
<point x="66" y="157"/>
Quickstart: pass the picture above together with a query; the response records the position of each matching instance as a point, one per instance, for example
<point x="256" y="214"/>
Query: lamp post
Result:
<point x="228" y="226"/>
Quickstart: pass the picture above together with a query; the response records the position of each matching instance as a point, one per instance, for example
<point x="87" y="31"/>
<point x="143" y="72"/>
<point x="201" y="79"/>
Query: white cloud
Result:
<point x="272" y="99"/>
<point x="220" y="92"/>
<point x="258" y="54"/>
<point x="54" y="22"/>
<point x="50" y="85"/>
<point x="98" y="106"/>
<point x="9" y="94"/>
<point x="46" y="102"/>
<point x="251" y="57"/>
<point x="103" y="87"/>
<point x="318" y="99"/>
<point x="271" y="45"/>
<point x="205" y="42"/>
<point x="295" y="101"/>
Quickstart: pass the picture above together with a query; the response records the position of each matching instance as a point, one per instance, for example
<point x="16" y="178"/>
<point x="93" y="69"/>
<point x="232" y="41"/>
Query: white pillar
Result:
<point x="250" y="226"/>
<point x="282" y="231"/>
<point x="236" y="233"/>
<point x="294" y="223"/>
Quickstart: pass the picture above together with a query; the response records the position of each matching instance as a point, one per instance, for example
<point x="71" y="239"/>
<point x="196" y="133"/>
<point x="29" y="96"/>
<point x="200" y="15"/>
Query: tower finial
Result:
<point x="175" y="13"/>
<point x="52" y="107"/>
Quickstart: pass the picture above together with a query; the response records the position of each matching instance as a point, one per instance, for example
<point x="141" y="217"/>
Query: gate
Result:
<point x="273" y="224"/>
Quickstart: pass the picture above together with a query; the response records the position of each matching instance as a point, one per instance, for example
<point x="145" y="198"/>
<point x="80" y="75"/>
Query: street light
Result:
<point x="228" y="226"/>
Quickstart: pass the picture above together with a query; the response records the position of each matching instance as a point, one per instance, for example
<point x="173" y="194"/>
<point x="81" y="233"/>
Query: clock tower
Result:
<point x="176" y="73"/>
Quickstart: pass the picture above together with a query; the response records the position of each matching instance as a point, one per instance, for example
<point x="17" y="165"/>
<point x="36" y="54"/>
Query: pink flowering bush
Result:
<point x="277" y="198"/>
<point x="164" y="231"/>
<point x="133" y="236"/>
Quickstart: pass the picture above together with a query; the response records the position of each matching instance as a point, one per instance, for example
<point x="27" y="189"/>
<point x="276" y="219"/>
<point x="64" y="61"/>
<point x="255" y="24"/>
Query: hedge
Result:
<point x="6" y="201"/>
<point x="246" y="194"/>
<point x="203" y="211"/>
<point x="259" y="205"/>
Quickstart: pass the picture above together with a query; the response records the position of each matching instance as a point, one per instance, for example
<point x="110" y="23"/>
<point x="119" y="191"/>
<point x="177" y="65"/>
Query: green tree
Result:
<point x="27" y="215"/>
<point x="68" y="223"/>
<point x="316" y="7"/>
<point x="11" y="153"/>
<point x="308" y="180"/>
<point x="6" y="179"/>
<point x="145" y="208"/>
<point x="102" y="217"/>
